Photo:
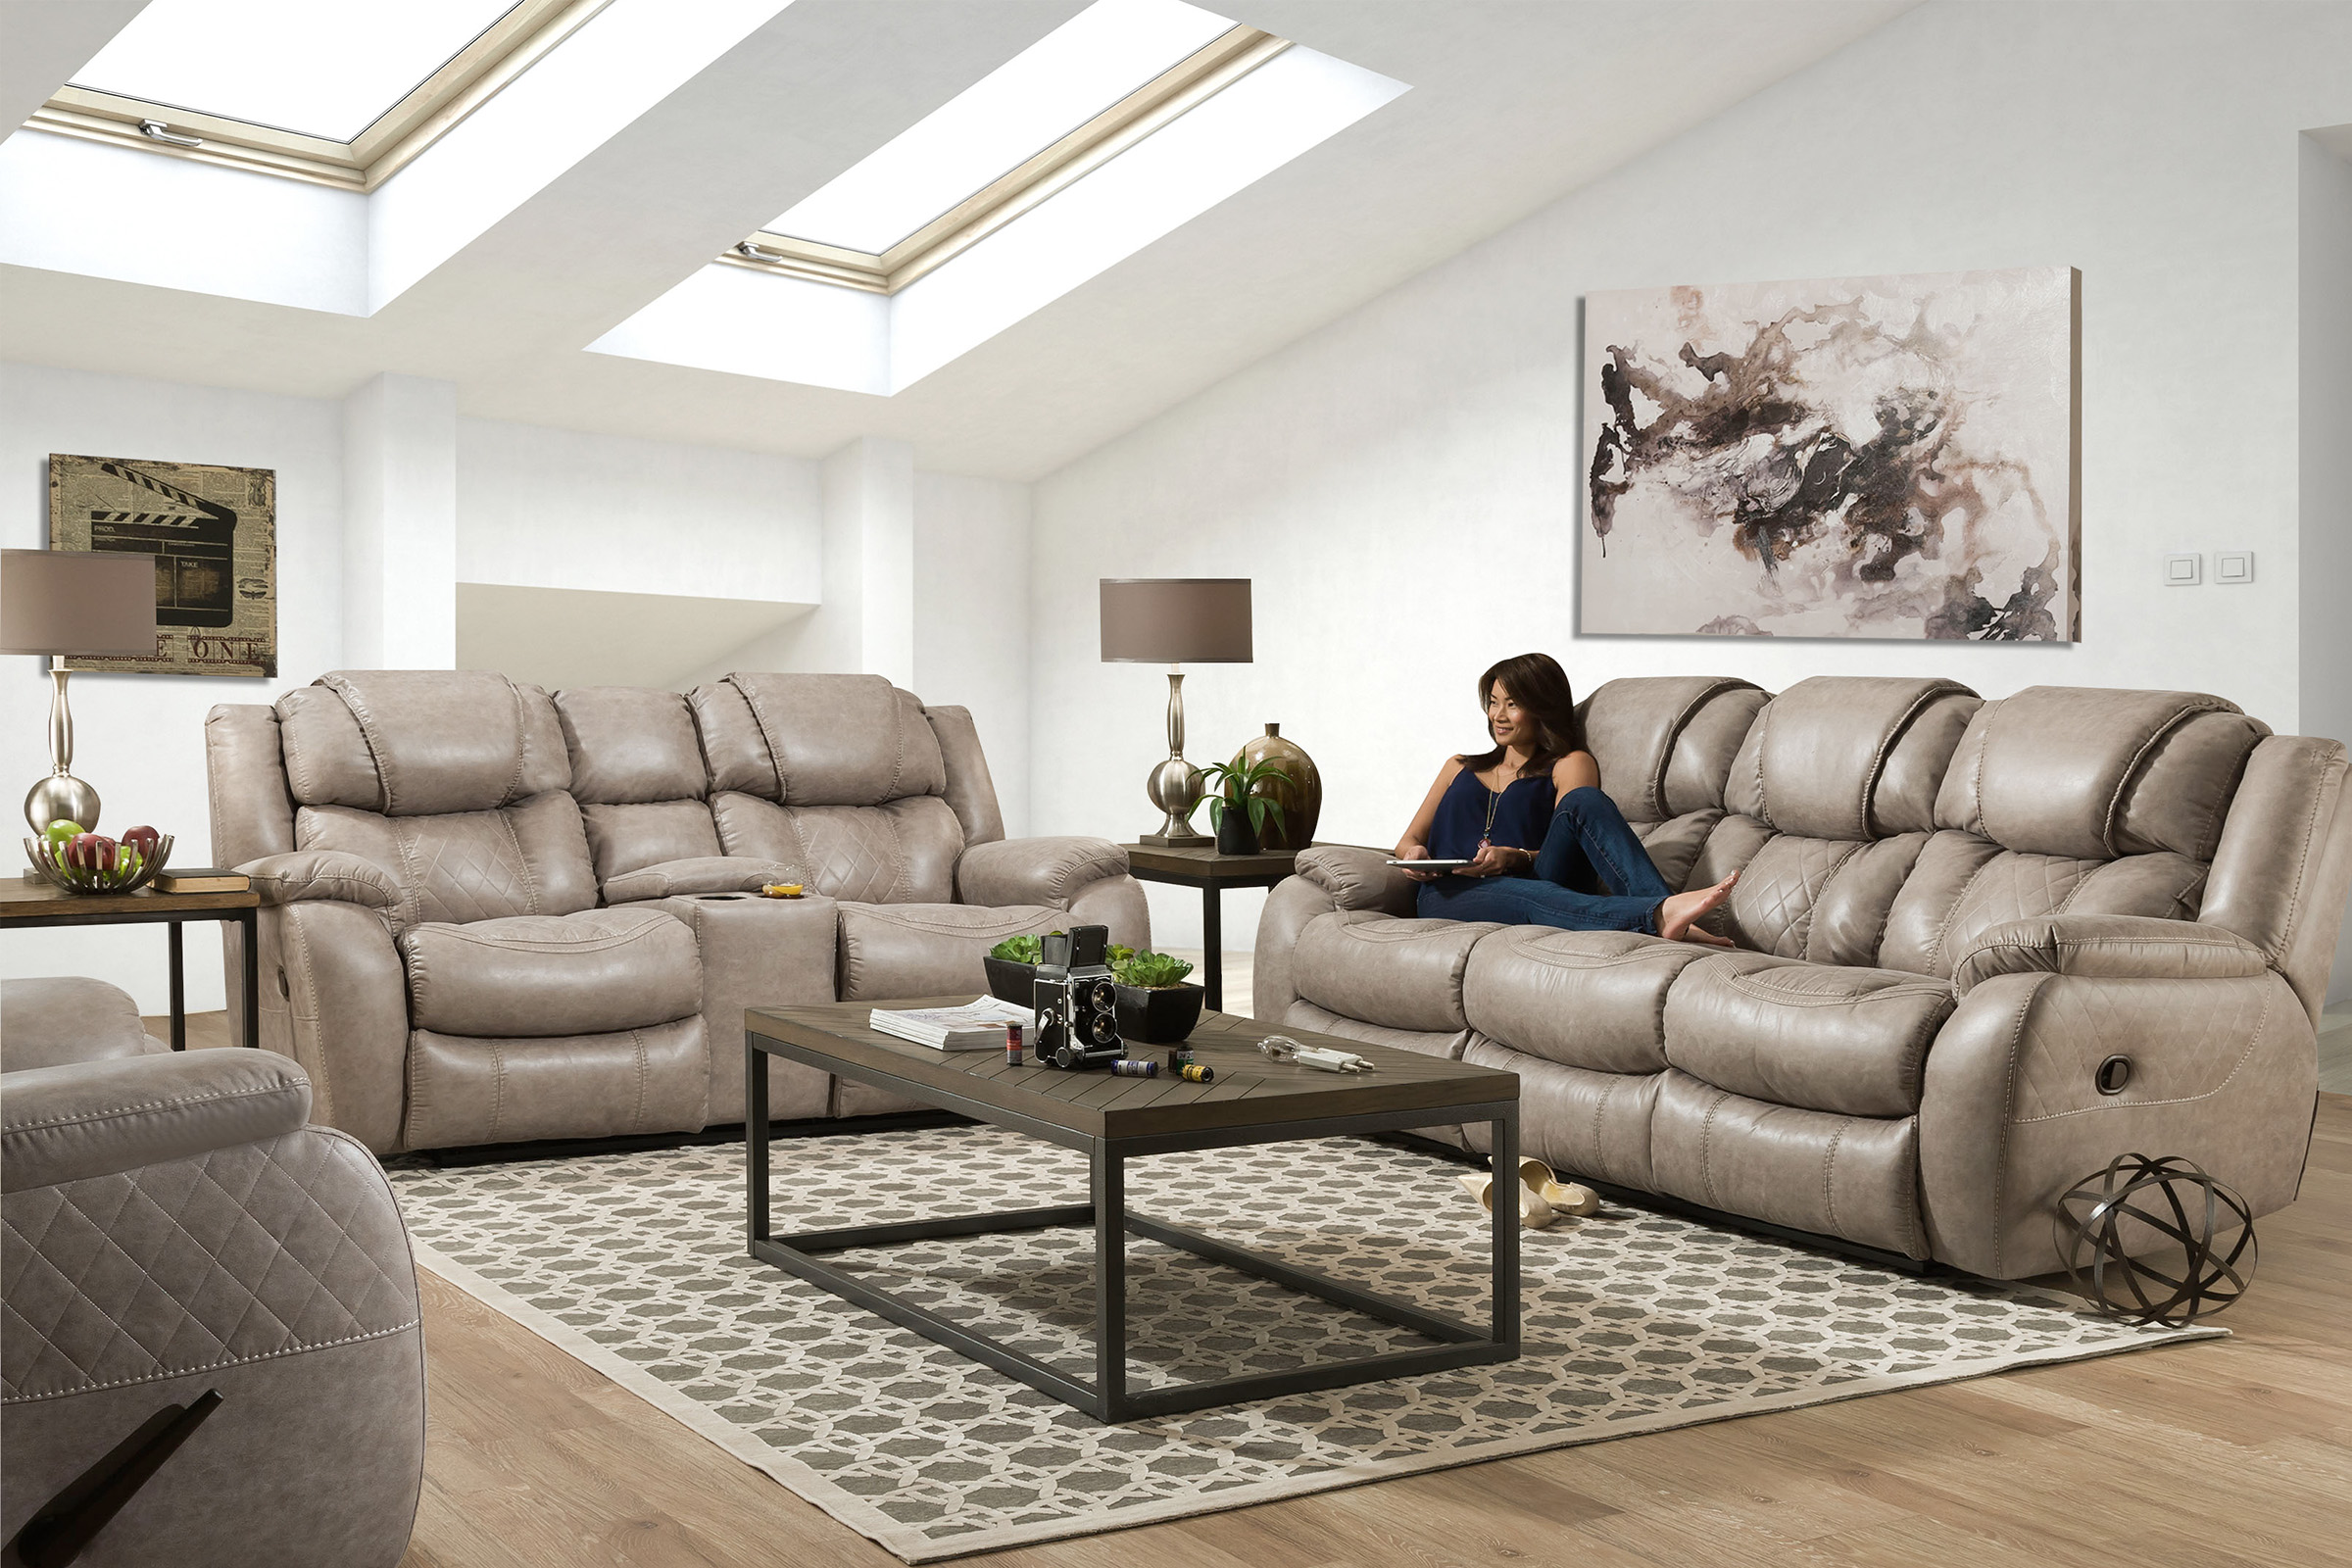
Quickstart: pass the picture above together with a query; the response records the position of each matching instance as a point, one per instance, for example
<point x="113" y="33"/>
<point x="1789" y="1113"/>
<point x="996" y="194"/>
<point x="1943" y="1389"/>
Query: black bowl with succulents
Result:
<point x="1156" y="1008"/>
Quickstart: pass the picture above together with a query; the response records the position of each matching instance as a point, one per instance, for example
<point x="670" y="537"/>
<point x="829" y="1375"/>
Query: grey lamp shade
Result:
<point x="1176" y="620"/>
<point x="77" y="602"/>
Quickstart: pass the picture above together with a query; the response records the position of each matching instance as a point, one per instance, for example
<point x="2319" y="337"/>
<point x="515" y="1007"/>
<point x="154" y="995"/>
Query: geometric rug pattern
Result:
<point x="1633" y="1321"/>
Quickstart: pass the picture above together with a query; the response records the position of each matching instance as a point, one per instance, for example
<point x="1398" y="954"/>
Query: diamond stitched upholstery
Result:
<point x="1772" y="907"/>
<point x="255" y="1251"/>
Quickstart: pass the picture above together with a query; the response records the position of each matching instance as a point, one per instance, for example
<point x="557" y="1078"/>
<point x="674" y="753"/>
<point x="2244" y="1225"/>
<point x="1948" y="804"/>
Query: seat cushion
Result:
<point x="1855" y="1177"/>
<point x="1851" y="1040"/>
<point x="548" y="975"/>
<point x="1580" y="1123"/>
<point x="892" y="950"/>
<point x="603" y="1085"/>
<point x="1585" y="999"/>
<point x="1400" y="974"/>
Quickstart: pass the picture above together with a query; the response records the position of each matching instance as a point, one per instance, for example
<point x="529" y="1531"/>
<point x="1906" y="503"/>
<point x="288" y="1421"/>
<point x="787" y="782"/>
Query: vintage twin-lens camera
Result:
<point x="1077" y="1006"/>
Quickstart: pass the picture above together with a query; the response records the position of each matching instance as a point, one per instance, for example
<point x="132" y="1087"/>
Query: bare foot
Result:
<point x="1678" y="916"/>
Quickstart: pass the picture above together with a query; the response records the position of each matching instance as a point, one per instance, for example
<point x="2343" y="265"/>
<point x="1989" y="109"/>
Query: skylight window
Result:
<point x="1057" y="84"/>
<point x="326" y="71"/>
<point x="1117" y="73"/>
<point x="340" y="93"/>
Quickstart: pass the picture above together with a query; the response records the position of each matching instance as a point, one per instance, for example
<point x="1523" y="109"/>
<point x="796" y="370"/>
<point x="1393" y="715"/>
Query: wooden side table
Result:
<point x="26" y="903"/>
<point x="1212" y="873"/>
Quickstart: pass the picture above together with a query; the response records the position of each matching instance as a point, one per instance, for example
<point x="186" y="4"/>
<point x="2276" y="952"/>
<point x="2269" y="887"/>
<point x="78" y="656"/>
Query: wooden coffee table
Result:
<point x="1113" y="1119"/>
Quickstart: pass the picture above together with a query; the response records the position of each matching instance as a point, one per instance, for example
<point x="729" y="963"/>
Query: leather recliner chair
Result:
<point x="172" y="1229"/>
<point x="493" y="917"/>
<point x="1952" y="913"/>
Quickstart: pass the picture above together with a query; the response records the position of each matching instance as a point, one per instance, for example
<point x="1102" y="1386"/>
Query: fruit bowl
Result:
<point x="120" y="872"/>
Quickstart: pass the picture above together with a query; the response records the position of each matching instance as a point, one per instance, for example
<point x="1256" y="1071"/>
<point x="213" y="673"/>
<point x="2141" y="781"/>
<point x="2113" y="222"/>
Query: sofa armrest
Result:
<point x="1358" y="878"/>
<point x="2108" y="947"/>
<point x="335" y="875"/>
<point x="1029" y="871"/>
<point x="708" y="873"/>
<point x="96" y="1119"/>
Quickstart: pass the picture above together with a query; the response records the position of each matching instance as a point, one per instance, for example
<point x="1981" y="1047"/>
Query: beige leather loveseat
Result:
<point x="1954" y="913"/>
<point x="493" y="917"/>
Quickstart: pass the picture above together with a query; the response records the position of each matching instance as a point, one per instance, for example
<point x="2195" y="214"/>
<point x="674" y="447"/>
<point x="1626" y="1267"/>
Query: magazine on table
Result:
<point x="974" y="1026"/>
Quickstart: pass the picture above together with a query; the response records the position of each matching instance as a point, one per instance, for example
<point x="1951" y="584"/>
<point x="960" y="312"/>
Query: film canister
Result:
<point x="1179" y="1056"/>
<point x="1195" y="1073"/>
<point x="1136" y="1069"/>
<point x="1012" y="1043"/>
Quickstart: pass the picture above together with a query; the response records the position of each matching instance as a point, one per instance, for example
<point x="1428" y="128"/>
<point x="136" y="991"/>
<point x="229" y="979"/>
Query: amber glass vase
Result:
<point x="1301" y="797"/>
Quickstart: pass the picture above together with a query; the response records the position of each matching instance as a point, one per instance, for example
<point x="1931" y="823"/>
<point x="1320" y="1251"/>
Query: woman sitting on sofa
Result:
<point x="1544" y="845"/>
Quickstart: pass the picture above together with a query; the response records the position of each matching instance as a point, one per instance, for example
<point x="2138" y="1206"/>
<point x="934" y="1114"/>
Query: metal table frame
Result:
<point x="1107" y="1397"/>
<point x="246" y="920"/>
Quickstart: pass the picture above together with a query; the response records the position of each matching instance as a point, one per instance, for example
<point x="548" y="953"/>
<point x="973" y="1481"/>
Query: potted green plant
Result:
<point x="1236" y="784"/>
<point x="1156" y="1004"/>
<point x="1011" y="967"/>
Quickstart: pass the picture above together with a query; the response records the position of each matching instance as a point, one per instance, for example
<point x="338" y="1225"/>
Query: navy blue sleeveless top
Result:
<point x="1522" y="816"/>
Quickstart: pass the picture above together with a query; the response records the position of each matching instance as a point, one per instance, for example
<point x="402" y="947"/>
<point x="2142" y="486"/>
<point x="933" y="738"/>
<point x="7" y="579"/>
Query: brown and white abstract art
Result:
<point x="1860" y="457"/>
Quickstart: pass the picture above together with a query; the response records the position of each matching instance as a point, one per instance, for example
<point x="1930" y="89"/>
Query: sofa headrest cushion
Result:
<point x="1632" y="726"/>
<point x="1828" y="747"/>
<point x="631" y="745"/>
<point x="2061" y="769"/>
<point x="824" y="740"/>
<point x="421" y="742"/>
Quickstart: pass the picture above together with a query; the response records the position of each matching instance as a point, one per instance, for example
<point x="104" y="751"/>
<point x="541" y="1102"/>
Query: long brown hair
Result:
<point x="1540" y="686"/>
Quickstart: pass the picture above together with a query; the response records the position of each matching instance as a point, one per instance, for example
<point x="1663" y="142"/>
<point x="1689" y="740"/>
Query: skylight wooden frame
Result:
<point x="471" y="77"/>
<point x="1184" y="86"/>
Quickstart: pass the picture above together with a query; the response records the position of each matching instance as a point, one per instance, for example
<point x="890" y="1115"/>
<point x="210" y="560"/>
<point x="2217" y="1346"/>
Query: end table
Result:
<point x="25" y="901"/>
<point x="1212" y="873"/>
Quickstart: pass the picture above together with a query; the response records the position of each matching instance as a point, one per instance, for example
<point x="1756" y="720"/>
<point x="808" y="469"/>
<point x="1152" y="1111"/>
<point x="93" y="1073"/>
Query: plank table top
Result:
<point x="1250" y="1089"/>
<point x="30" y="899"/>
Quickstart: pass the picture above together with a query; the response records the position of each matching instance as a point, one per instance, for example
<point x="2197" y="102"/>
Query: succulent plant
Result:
<point x="1152" y="971"/>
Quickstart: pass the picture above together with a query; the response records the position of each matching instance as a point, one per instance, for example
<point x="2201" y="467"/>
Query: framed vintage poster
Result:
<point x="213" y="532"/>
<point x="1856" y="457"/>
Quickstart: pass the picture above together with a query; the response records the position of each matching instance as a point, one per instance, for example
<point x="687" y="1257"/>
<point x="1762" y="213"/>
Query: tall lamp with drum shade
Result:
<point x="1175" y="621"/>
<point x="78" y="603"/>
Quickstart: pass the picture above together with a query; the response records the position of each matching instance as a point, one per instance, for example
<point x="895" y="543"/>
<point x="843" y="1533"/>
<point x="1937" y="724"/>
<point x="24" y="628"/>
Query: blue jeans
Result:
<point x="1588" y="845"/>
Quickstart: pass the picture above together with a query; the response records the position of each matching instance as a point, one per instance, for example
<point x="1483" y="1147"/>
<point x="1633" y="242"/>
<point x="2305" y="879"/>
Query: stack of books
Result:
<point x="201" y="879"/>
<point x="974" y="1026"/>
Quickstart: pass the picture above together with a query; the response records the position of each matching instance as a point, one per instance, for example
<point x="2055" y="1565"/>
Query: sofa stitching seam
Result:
<point x="2111" y="817"/>
<point x="2000" y="1169"/>
<point x="1706" y="1147"/>
<point x="2261" y="1026"/>
<point x="214" y="1366"/>
<point x="142" y="1107"/>
<point x="530" y="883"/>
<point x="1829" y="1163"/>
<point x="521" y="744"/>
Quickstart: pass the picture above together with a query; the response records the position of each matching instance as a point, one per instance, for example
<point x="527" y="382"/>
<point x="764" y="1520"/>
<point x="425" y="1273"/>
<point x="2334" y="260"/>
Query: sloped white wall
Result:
<point x="1403" y="484"/>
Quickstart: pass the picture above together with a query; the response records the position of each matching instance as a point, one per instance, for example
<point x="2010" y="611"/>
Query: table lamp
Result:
<point x="1175" y="621"/>
<point x="72" y="602"/>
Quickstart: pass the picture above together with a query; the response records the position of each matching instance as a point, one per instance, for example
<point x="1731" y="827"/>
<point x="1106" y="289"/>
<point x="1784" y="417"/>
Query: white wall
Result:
<point x="2325" y="388"/>
<point x="1404" y="484"/>
<point x="139" y="739"/>
<point x="972" y="620"/>
<point x="561" y="508"/>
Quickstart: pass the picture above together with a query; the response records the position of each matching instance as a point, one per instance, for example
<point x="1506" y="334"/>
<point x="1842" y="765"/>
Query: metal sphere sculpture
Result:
<point x="2136" y="1199"/>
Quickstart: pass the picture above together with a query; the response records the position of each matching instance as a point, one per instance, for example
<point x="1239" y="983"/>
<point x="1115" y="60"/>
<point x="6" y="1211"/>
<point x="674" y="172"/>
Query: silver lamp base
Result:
<point x="1175" y="788"/>
<point x="61" y="795"/>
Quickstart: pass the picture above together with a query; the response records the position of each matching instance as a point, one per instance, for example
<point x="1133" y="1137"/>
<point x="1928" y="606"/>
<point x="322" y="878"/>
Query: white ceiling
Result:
<point x="1513" y="104"/>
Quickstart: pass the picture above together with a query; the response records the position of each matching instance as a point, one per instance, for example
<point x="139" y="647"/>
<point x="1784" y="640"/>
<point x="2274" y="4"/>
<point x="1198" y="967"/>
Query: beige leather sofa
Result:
<point x="494" y="917"/>
<point x="1952" y="912"/>
<point x="172" y="1227"/>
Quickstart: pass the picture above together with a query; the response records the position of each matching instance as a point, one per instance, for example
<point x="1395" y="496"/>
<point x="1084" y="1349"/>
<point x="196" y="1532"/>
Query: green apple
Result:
<point x="61" y="833"/>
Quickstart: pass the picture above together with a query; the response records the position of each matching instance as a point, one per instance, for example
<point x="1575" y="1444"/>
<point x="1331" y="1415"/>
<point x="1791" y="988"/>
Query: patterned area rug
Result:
<point x="1633" y="1322"/>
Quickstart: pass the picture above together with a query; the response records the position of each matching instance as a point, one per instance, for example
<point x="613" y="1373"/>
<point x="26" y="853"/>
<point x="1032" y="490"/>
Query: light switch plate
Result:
<point x="2234" y="566"/>
<point x="2183" y="571"/>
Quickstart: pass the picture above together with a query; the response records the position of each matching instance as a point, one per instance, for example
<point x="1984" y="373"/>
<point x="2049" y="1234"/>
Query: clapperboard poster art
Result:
<point x="213" y="532"/>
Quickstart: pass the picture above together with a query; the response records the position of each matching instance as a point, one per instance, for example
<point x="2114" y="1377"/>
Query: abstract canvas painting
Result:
<point x="213" y="532"/>
<point x="1861" y="457"/>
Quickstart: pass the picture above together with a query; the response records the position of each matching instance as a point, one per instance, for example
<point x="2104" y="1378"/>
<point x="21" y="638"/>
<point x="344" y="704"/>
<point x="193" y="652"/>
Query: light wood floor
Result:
<point x="2226" y="1454"/>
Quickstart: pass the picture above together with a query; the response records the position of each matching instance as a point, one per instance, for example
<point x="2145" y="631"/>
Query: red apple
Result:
<point x="91" y="852"/>
<point x="144" y="838"/>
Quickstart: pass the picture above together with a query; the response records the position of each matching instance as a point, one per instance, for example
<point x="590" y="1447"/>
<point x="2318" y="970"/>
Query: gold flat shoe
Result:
<point x="1568" y="1197"/>
<point x="1534" y="1212"/>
